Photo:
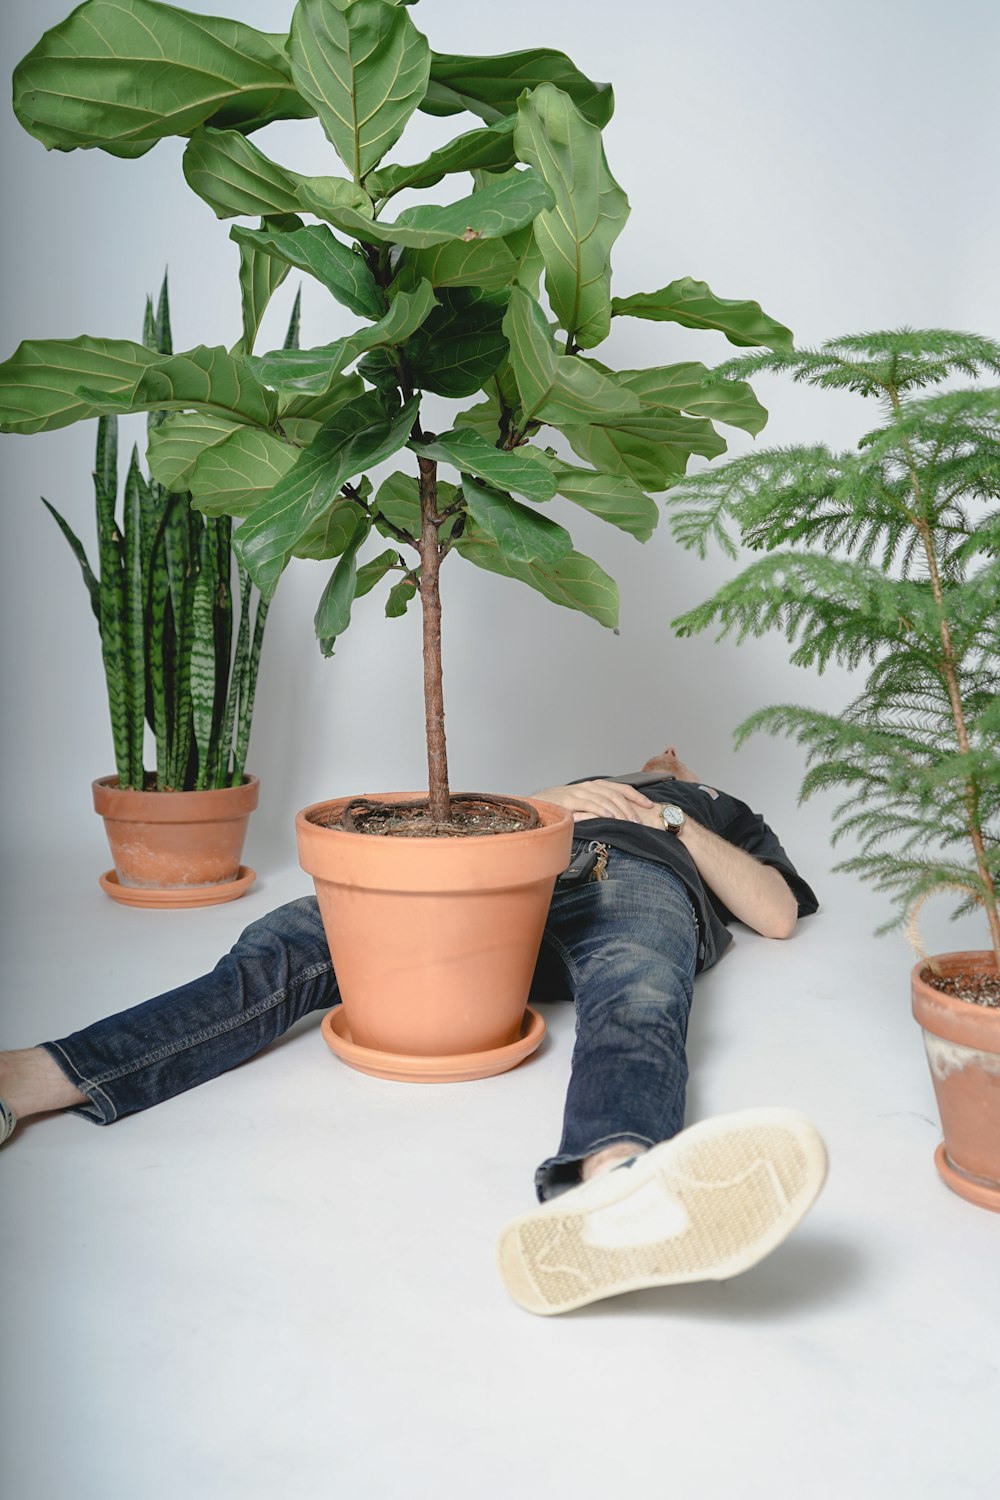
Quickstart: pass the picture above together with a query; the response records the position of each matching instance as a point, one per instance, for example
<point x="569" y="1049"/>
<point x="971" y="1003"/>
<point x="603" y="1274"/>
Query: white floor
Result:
<point x="283" y="1284"/>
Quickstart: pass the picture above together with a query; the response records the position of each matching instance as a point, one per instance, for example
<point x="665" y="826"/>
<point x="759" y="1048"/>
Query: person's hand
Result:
<point x="599" y="799"/>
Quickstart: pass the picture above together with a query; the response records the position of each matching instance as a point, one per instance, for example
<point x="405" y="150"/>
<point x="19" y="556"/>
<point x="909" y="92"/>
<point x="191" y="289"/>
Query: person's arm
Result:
<point x="599" y="799"/>
<point x="755" y="893"/>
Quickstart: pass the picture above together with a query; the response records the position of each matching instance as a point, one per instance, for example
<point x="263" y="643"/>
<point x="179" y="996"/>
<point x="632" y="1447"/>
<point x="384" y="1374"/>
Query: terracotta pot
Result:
<point x="176" y="848"/>
<point x="963" y="1049"/>
<point x="433" y="940"/>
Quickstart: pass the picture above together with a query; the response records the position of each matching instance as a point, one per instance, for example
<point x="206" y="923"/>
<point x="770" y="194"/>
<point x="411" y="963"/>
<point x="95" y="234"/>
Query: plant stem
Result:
<point x="430" y="600"/>
<point x="949" y="670"/>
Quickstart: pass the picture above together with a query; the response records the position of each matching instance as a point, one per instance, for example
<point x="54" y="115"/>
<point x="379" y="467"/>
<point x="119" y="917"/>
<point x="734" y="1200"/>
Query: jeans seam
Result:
<point x="209" y="1033"/>
<point x="86" y="1086"/>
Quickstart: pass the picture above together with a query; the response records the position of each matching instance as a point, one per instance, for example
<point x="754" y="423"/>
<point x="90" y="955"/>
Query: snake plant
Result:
<point x="164" y="607"/>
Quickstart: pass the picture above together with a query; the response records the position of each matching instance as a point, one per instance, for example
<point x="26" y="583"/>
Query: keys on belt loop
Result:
<point x="600" y="870"/>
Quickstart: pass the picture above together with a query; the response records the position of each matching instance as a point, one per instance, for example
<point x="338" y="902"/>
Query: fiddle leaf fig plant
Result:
<point x="886" y="560"/>
<point x="493" y="297"/>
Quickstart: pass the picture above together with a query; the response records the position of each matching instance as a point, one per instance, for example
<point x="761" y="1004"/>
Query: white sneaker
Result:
<point x="8" y="1120"/>
<point x="709" y="1203"/>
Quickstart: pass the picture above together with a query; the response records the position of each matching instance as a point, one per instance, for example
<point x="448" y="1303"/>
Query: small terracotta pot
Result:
<point x="169" y="842"/>
<point x="433" y="940"/>
<point x="963" y="1048"/>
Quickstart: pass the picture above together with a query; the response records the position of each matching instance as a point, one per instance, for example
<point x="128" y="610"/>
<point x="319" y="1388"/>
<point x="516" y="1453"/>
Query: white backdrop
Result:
<point x="836" y="164"/>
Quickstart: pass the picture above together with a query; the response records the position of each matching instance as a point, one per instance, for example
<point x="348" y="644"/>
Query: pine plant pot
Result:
<point x="963" y="1048"/>
<point x="433" y="941"/>
<point x="176" y="848"/>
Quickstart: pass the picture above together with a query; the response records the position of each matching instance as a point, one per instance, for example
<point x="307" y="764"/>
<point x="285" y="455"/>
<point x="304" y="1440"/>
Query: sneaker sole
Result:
<point x="735" y="1187"/>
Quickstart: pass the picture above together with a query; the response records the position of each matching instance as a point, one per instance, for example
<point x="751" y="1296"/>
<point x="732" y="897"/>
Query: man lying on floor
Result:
<point x="663" y="863"/>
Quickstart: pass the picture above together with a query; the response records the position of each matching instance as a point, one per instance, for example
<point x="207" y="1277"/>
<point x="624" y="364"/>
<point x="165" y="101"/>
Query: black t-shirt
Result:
<point x="726" y="816"/>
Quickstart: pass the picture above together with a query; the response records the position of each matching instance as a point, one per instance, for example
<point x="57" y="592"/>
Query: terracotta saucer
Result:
<point x="405" y="1068"/>
<point x="182" y="895"/>
<point x="973" y="1189"/>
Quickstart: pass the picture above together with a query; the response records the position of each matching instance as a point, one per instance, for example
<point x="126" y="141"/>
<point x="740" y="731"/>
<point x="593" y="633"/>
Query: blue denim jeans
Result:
<point x="621" y="949"/>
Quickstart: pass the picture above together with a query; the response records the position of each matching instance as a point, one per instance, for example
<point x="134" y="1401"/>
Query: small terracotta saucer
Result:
<point x="405" y="1068"/>
<point x="181" y="895"/>
<point x="973" y="1189"/>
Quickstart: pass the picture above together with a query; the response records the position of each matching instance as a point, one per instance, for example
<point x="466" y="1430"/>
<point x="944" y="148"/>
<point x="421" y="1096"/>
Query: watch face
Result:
<point x="672" y="815"/>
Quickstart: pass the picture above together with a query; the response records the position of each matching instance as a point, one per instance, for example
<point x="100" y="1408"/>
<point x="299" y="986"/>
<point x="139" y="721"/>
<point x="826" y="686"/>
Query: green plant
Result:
<point x="887" y="558"/>
<point x="163" y="604"/>
<point x="449" y="294"/>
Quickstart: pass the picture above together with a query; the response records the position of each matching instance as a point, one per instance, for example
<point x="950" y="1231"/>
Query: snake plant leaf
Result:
<point x="575" y="236"/>
<point x="314" y="371"/>
<point x="487" y="264"/>
<point x="490" y="86"/>
<point x="364" y="71"/>
<point x="212" y="379"/>
<point x="555" y="387"/>
<point x="260" y="276"/>
<point x="80" y="553"/>
<point x="399" y="597"/>
<point x="294" y="322"/>
<point x="398" y="503"/>
<point x="613" y="497"/>
<point x="315" y="249"/>
<point x="134" y="614"/>
<point x="334" y="613"/>
<point x="360" y="434"/>
<point x="461" y="344"/>
<point x="694" y="305"/>
<point x="234" y="177"/>
<point x="178" y="443"/>
<point x="491" y="148"/>
<point x="122" y="74"/>
<point x="40" y="381"/>
<point x="233" y="477"/>
<point x="202" y="659"/>
<point x="652" y="448"/>
<point x="681" y="388"/>
<point x="521" y="534"/>
<point x="573" y="580"/>
<point x="524" y="469"/>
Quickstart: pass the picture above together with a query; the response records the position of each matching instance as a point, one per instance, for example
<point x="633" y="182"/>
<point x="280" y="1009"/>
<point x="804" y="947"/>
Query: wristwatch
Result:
<point x="673" y="817"/>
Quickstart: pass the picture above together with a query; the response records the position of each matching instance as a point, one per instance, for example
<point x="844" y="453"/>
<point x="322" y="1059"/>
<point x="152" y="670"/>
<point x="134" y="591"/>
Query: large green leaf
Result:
<point x="314" y="248"/>
<point x="491" y="86"/>
<point x="491" y="148"/>
<point x="613" y="497"/>
<point x="364" y="70"/>
<point x="398" y="500"/>
<point x="260" y="277"/>
<point x="524" y="469"/>
<point x="573" y="580"/>
<point x="522" y="534"/>
<point x="681" y="388"/>
<point x="233" y="477"/>
<point x="652" y="449"/>
<point x="212" y="379"/>
<point x="498" y="210"/>
<point x="575" y="236"/>
<point x="554" y="387"/>
<point x="178" y="443"/>
<point x="234" y="177"/>
<point x="487" y="264"/>
<point x="40" y="383"/>
<point x="360" y="434"/>
<point x="334" y="613"/>
<point x="314" y="371"/>
<point x="122" y="74"/>
<point x="694" y="305"/>
<point x="460" y="345"/>
<point x="328" y="533"/>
